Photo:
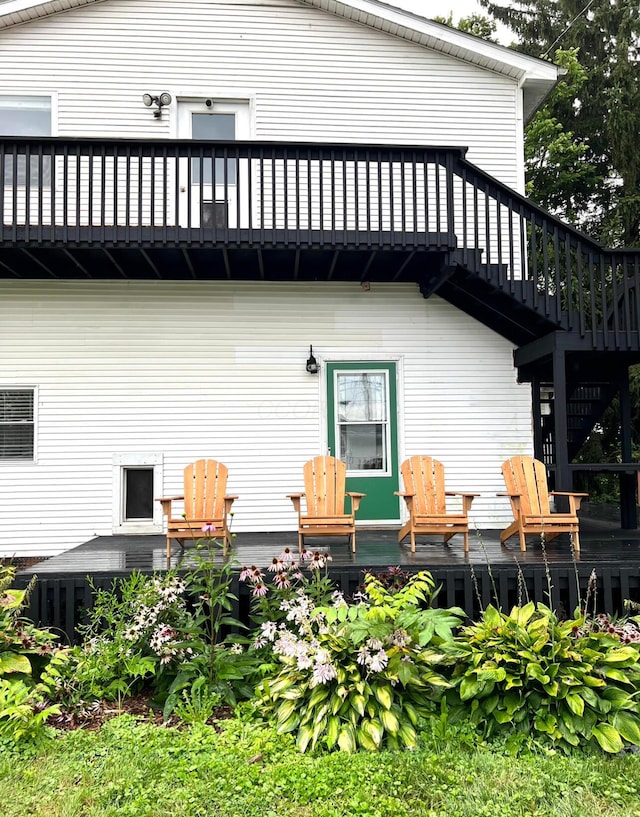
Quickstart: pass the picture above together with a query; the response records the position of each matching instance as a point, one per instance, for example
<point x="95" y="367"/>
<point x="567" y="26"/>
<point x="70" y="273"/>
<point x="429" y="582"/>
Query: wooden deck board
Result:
<point x="601" y="542"/>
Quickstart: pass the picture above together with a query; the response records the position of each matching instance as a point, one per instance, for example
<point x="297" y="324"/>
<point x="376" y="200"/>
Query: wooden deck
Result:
<point x="602" y="543"/>
<point x="490" y="573"/>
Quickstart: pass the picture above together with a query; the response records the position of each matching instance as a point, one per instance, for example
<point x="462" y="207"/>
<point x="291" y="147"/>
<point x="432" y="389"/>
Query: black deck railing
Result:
<point x="87" y="192"/>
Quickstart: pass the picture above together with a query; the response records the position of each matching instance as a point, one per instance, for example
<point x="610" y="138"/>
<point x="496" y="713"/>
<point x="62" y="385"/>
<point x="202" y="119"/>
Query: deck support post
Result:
<point x="628" y="507"/>
<point x="564" y="479"/>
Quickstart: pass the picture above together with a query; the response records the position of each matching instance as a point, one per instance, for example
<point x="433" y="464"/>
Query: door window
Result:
<point x="362" y="411"/>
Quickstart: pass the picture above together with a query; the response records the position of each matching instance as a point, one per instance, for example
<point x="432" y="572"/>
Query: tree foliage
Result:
<point x="591" y="123"/>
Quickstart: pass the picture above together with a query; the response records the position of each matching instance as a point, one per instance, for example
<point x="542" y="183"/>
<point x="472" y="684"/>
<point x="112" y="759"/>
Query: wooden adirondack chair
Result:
<point x="425" y="495"/>
<point x="324" y="493"/>
<point x="526" y="482"/>
<point x="205" y="502"/>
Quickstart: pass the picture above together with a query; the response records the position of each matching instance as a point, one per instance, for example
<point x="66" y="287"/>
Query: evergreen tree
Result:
<point x="601" y="119"/>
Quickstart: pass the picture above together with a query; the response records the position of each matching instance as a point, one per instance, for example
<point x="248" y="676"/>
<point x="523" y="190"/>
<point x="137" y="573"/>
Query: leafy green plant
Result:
<point x="131" y="637"/>
<point x="24" y="649"/>
<point x="198" y="703"/>
<point x="527" y="672"/>
<point x="212" y="648"/>
<point x="360" y="675"/>
<point x="23" y="715"/>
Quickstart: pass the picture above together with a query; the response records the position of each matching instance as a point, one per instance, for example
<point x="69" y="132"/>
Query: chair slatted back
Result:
<point x="205" y="486"/>
<point x="424" y="477"/>
<point x="324" y="486"/>
<point x="527" y="477"/>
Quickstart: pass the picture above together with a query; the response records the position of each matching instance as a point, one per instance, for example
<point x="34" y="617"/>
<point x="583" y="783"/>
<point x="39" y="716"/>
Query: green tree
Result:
<point x="597" y="126"/>
<point x="476" y="24"/>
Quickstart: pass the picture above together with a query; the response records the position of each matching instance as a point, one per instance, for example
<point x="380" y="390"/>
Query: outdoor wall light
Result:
<point x="161" y="100"/>
<point x="313" y="367"/>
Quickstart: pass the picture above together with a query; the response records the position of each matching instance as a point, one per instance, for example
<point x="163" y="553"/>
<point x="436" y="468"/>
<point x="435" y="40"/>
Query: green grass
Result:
<point x="148" y="771"/>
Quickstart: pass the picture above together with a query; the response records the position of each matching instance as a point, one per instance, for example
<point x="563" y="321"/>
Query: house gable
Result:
<point x="535" y="77"/>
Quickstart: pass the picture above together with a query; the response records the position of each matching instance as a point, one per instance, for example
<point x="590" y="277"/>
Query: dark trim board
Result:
<point x="491" y="571"/>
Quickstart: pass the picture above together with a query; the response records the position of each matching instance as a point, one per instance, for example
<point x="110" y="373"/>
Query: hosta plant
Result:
<point x="358" y="676"/>
<point x="527" y="672"/>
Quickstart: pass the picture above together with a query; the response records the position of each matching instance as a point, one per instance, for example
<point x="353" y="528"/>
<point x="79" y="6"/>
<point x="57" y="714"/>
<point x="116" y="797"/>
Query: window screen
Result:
<point x="16" y="424"/>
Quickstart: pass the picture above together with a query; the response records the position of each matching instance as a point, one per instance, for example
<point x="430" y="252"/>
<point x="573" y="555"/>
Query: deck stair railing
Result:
<point x="154" y="193"/>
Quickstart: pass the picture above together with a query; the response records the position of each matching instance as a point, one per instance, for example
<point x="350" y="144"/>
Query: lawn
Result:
<point x="144" y="770"/>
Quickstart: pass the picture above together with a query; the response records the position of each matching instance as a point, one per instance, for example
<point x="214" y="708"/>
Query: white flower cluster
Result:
<point x="372" y="655"/>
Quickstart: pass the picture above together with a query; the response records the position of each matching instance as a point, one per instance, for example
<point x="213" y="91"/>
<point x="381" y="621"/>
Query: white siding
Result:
<point x="218" y="369"/>
<point x="311" y="76"/>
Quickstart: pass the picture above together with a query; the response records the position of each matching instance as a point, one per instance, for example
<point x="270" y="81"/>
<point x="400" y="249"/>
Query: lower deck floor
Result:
<point x="491" y="573"/>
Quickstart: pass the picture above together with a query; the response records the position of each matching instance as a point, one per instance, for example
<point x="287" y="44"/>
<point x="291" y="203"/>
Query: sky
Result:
<point x="459" y="8"/>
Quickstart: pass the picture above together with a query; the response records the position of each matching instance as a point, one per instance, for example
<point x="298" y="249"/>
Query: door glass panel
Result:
<point x="212" y="127"/>
<point x="362" y="419"/>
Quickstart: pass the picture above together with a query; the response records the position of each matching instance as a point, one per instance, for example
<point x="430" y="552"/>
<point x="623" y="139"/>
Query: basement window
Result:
<point x="137" y="482"/>
<point x="17" y="426"/>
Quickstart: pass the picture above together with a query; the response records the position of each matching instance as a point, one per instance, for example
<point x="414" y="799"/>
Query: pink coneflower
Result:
<point x="287" y="557"/>
<point x="208" y="528"/>
<point x="259" y="589"/>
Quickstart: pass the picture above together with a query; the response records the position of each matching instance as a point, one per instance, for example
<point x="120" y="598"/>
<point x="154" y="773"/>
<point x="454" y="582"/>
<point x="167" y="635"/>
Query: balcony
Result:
<point x="92" y="208"/>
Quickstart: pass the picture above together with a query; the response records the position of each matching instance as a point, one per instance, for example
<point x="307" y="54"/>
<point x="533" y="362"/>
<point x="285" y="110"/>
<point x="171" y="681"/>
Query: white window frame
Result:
<point x="25" y="460"/>
<point x="121" y="463"/>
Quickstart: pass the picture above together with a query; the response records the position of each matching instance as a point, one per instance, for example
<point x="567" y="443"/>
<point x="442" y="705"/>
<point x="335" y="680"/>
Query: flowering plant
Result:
<point x="359" y="675"/>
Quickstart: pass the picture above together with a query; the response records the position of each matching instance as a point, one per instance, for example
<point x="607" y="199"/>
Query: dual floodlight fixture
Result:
<point x="161" y="100"/>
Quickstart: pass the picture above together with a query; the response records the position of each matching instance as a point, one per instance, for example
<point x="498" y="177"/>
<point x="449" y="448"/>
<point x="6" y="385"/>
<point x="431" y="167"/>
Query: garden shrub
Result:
<point x="526" y="672"/>
<point x="360" y="675"/>
<point x="25" y="652"/>
<point x="163" y="633"/>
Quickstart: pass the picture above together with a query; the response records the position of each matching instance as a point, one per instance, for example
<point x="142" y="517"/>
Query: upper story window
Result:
<point x="16" y="424"/>
<point x="25" y="116"/>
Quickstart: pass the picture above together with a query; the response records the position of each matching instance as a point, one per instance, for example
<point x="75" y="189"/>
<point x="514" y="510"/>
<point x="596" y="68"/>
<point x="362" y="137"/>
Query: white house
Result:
<point x="195" y="193"/>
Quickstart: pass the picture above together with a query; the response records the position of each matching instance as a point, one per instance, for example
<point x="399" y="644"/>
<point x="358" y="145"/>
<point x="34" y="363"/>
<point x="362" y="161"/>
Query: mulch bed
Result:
<point x="94" y="714"/>
<point x="20" y="562"/>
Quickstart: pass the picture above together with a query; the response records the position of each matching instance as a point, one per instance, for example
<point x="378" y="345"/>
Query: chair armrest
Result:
<point x="355" y="499"/>
<point x="574" y="499"/>
<point x="511" y="496"/>
<point x="295" y="498"/>
<point x="228" y="502"/>
<point x="460" y="493"/>
<point x="404" y="494"/>
<point x="165" y="502"/>
<point x="567" y="493"/>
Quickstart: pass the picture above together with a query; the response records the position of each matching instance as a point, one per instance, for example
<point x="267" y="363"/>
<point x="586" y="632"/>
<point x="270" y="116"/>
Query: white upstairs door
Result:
<point x="211" y="187"/>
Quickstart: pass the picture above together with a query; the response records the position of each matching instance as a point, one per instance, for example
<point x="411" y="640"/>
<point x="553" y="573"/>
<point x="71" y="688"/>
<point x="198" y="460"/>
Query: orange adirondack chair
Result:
<point x="324" y="493"/>
<point x="526" y="481"/>
<point x="205" y="502"/>
<point x="425" y="495"/>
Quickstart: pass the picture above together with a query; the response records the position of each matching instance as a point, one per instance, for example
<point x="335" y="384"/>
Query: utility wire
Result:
<point x="559" y="37"/>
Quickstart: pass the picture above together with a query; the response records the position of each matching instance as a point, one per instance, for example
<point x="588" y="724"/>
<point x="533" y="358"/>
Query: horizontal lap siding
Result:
<point x="218" y="369"/>
<point x="313" y="76"/>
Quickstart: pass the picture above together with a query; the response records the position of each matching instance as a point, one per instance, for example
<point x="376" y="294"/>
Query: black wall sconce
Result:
<point x="161" y="100"/>
<point x="313" y="367"/>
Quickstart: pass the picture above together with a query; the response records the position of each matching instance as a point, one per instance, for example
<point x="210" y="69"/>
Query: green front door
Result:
<point x="363" y="433"/>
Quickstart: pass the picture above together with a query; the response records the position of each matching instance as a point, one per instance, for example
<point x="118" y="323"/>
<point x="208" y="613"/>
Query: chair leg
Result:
<point x="353" y="542"/>
<point x="523" y="541"/>
<point x="168" y="551"/>
<point x="466" y="541"/>
<point x="300" y="542"/>
<point x="576" y="542"/>
<point x="413" y="542"/>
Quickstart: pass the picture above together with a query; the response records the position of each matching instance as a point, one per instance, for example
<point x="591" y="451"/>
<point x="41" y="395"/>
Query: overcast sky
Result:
<point x="442" y="8"/>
